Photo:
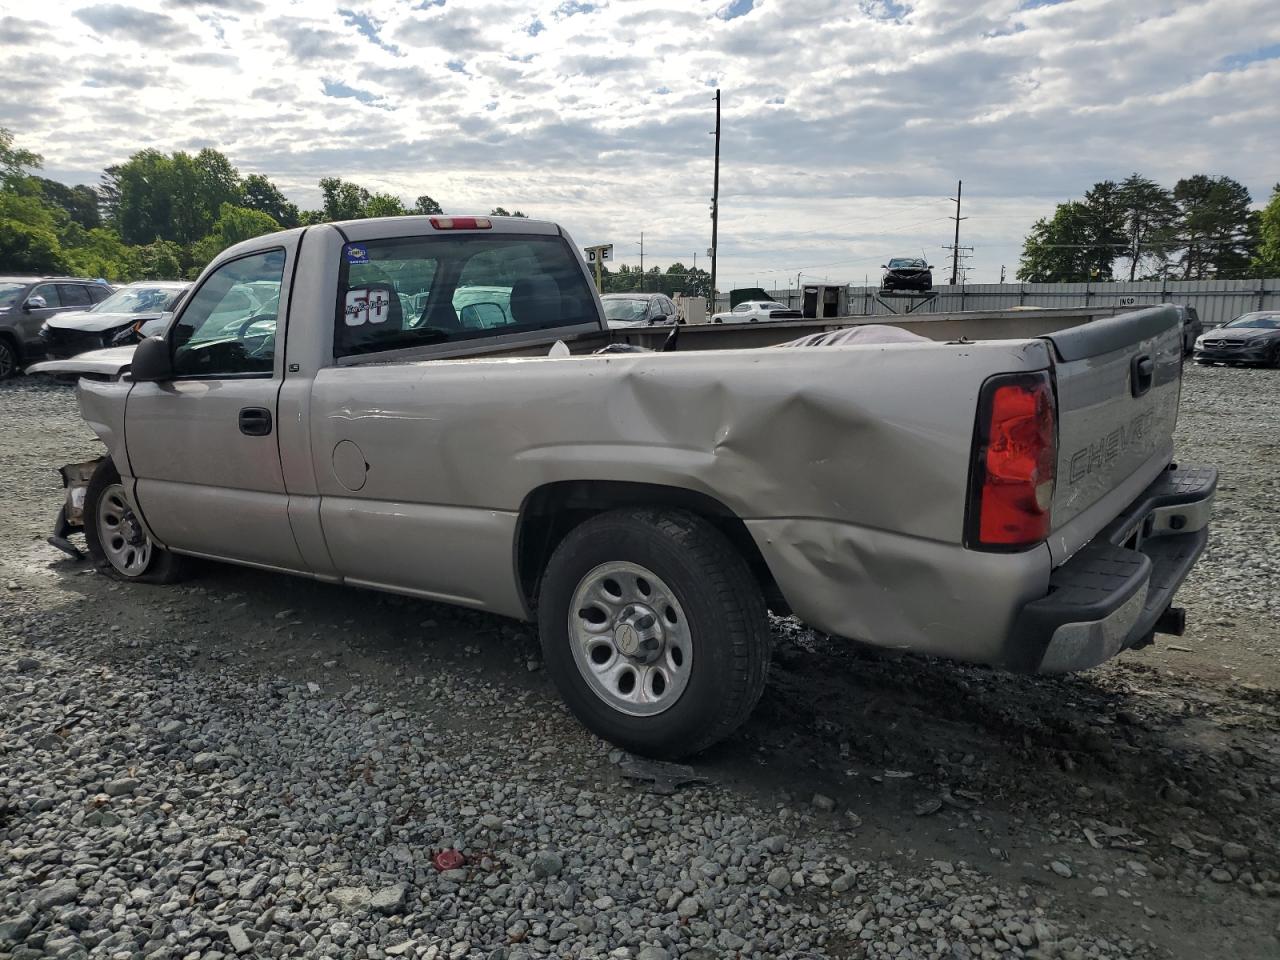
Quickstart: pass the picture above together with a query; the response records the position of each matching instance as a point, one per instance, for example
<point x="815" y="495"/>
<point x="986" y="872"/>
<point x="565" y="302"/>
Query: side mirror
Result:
<point x="151" y="361"/>
<point x="35" y="303"/>
<point x="884" y="266"/>
<point x="929" y="267"/>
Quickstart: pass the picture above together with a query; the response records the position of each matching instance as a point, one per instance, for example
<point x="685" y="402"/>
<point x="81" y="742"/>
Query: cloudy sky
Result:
<point x="846" y="124"/>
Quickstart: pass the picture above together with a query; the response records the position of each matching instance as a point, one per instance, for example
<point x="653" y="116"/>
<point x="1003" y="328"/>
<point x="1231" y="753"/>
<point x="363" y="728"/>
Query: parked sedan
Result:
<point x="113" y="322"/>
<point x="1252" y="338"/>
<point x="638" y="309"/>
<point x="907" y="273"/>
<point x="755" y="311"/>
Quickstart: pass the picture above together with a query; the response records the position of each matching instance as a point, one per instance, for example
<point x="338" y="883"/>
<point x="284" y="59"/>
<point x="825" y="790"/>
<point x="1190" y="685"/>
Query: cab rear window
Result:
<point x="410" y="292"/>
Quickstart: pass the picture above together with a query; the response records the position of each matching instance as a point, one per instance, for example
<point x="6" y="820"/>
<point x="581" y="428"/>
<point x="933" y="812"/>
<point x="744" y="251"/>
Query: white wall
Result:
<point x="1217" y="301"/>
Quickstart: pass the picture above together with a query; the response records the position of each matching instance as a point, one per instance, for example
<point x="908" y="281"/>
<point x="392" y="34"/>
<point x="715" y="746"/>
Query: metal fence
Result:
<point x="1217" y="301"/>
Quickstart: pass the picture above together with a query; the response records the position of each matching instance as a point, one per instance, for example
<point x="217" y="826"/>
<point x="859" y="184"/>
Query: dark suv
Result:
<point x="907" y="273"/>
<point x="27" y="302"/>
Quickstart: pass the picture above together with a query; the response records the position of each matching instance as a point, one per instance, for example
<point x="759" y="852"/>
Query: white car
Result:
<point x="757" y="311"/>
<point x="116" y="321"/>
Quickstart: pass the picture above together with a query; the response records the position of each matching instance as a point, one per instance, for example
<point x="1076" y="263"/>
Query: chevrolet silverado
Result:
<point x="435" y="406"/>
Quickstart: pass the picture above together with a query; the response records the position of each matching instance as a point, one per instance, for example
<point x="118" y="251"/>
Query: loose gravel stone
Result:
<point x="56" y="894"/>
<point x="390" y="899"/>
<point x="121" y="788"/>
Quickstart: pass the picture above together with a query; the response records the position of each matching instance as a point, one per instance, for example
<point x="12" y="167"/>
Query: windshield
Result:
<point x="9" y="293"/>
<point x="905" y="263"/>
<point x="138" y="300"/>
<point x="773" y="305"/>
<point x="1264" y="321"/>
<point x="625" y="309"/>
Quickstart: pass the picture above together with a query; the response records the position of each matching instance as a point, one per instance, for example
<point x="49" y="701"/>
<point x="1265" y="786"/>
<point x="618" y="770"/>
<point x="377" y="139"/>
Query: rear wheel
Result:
<point x="654" y="631"/>
<point x="116" y="539"/>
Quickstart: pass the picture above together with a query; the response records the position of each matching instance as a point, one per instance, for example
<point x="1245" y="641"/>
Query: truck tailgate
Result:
<point x="1118" y="383"/>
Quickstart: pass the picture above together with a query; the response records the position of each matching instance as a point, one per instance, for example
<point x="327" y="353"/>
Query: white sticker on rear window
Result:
<point x="357" y="309"/>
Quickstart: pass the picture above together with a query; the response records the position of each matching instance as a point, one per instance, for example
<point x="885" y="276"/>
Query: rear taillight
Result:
<point x="1015" y="452"/>
<point x="461" y="223"/>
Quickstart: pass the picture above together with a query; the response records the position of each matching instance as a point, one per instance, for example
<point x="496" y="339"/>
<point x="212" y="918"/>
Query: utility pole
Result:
<point x="955" y="248"/>
<point x="715" y="206"/>
<point x="1002" y="273"/>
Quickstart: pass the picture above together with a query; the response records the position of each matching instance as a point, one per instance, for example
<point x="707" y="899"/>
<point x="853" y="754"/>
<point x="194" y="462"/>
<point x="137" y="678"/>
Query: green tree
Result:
<point x="1266" y="263"/>
<point x="502" y="212"/>
<point x="160" y="260"/>
<point x="233" y="225"/>
<point x="343" y="200"/>
<point x="109" y="194"/>
<point x="80" y="202"/>
<point x="1149" y="223"/>
<point x="425" y="206"/>
<point x="28" y="249"/>
<point x="101" y="253"/>
<point x="1074" y="245"/>
<point x="143" y="186"/>
<point x="384" y="205"/>
<point x="14" y="162"/>
<point x="169" y="197"/>
<point x="28" y="235"/>
<point x="261" y="194"/>
<point x="690" y="281"/>
<point x="1219" y="233"/>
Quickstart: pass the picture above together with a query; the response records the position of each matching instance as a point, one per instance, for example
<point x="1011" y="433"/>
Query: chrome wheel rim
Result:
<point x="125" y="543"/>
<point x="631" y="639"/>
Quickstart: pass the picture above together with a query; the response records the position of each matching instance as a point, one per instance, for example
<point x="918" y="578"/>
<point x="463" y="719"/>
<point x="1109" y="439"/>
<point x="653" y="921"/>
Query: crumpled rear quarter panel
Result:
<point x="858" y="456"/>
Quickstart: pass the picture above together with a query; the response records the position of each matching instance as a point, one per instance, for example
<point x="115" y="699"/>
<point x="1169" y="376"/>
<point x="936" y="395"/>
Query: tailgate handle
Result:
<point x="255" y="421"/>
<point x="1142" y="371"/>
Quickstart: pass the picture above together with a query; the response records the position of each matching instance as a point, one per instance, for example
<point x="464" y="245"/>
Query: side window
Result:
<point x="228" y="328"/>
<point x="73" y="295"/>
<point x="742" y="308"/>
<point x="50" y="293"/>
<point x="98" y="292"/>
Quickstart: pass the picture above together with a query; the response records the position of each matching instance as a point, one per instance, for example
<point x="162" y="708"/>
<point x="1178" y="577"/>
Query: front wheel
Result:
<point x="654" y="631"/>
<point x="8" y="359"/>
<point x="115" y="537"/>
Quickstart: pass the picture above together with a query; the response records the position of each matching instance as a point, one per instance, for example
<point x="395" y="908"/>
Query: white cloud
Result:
<point x="846" y="124"/>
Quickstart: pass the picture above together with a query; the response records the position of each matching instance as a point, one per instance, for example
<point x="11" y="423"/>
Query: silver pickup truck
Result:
<point x="436" y="407"/>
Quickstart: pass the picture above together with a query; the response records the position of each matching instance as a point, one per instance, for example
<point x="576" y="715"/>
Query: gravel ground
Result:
<point x="257" y="765"/>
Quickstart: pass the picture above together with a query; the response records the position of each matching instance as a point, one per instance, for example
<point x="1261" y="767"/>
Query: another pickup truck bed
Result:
<point x="1005" y="501"/>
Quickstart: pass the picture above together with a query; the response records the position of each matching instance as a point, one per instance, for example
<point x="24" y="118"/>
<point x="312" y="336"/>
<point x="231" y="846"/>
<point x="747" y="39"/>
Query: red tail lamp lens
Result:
<point x="1017" y="467"/>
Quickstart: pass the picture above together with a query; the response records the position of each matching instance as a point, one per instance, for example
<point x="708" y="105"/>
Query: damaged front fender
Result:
<point x="75" y="478"/>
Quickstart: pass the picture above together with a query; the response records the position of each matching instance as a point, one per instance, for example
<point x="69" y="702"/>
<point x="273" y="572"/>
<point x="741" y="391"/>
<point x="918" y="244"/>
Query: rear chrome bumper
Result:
<point x="1111" y="595"/>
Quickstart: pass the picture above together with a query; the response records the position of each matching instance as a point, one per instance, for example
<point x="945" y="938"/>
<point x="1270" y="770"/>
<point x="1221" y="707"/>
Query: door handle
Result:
<point x="1143" y="371"/>
<point x="255" y="421"/>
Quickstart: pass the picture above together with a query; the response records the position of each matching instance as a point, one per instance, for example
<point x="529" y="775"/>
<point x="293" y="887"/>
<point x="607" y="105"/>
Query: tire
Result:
<point x="702" y="629"/>
<point x="8" y="358"/>
<point x="112" y="534"/>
